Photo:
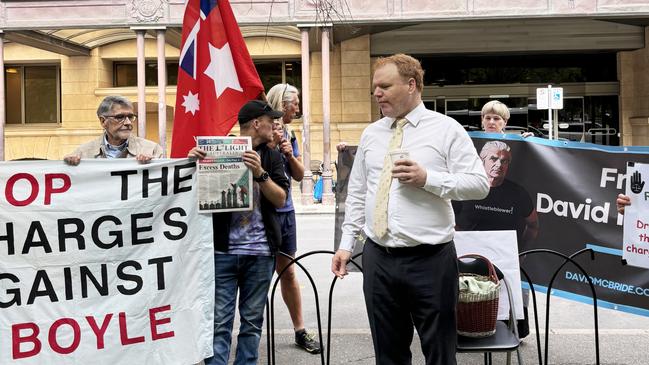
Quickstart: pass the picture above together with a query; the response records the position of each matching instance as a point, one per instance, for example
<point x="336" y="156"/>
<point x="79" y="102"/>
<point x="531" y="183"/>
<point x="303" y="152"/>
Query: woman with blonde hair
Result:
<point x="285" y="97"/>
<point x="494" y="115"/>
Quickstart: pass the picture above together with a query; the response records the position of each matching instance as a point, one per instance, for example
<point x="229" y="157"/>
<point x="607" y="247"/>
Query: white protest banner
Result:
<point x="635" y="249"/>
<point x="107" y="262"/>
<point x="501" y="249"/>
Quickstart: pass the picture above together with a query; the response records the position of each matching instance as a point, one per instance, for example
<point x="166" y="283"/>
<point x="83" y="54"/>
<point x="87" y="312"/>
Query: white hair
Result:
<point x="280" y="94"/>
<point x="495" y="146"/>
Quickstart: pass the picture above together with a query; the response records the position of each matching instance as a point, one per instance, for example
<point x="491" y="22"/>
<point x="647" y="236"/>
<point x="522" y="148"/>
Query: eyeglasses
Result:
<point x="121" y="118"/>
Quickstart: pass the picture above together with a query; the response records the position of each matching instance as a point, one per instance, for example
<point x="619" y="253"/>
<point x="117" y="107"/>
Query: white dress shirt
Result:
<point x="416" y="215"/>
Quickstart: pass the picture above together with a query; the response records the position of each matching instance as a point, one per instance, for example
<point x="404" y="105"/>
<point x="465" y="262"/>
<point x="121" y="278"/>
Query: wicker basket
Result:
<point x="477" y="312"/>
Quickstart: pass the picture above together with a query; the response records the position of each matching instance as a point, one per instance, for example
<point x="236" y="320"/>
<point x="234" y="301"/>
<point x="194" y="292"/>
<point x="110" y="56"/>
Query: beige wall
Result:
<point x="79" y="77"/>
<point x="262" y="47"/>
<point x="85" y="81"/>
<point x="634" y="95"/>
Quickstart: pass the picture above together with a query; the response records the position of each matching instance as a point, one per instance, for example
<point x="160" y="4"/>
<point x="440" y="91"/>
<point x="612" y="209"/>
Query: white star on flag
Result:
<point x="191" y="103"/>
<point x="221" y="70"/>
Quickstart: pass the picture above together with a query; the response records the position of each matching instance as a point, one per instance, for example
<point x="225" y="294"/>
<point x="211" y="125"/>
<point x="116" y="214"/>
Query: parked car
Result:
<point x="520" y="130"/>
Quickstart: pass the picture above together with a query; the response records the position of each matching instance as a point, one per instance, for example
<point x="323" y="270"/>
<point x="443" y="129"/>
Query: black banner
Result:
<point x="573" y="187"/>
<point x="343" y="169"/>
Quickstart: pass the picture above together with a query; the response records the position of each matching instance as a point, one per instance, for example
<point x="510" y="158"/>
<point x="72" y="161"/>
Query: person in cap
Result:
<point x="245" y="242"/>
<point x="116" y="116"/>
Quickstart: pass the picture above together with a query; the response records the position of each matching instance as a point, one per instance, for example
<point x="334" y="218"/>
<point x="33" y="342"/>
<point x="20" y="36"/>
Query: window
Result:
<point x="33" y="94"/>
<point x="125" y="73"/>
<point x="277" y="72"/>
<point x="510" y="69"/>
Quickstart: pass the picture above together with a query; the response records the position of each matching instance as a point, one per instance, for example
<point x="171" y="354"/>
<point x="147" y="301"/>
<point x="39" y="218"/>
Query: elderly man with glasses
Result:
<point x="116" y="118"/>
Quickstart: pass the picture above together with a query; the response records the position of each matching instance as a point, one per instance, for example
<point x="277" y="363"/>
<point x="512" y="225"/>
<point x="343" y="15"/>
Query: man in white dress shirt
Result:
<point x="409" y="260"/>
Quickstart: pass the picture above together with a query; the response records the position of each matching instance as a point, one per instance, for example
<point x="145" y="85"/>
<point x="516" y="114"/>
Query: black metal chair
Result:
<point x="506" y="337"/>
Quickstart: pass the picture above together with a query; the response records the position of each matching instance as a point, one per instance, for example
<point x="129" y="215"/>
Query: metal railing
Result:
<point x="270" y="306"/>
<point x="326" y="346"/>
<point x="566" y="259"/>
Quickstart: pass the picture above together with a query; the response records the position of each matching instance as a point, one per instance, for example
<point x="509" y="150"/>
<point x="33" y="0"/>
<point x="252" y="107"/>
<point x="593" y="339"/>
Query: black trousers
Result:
<point x="406" y="288"/>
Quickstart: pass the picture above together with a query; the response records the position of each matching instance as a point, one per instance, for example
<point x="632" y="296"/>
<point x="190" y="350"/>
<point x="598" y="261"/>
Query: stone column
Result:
<point x="162" y="91"/>
<point x="141" y="84"/>
<point x="2" y="97"/>
<point x="634" y="95"/>
<point x="307" y="182"/>
<point x="327" y="195"/>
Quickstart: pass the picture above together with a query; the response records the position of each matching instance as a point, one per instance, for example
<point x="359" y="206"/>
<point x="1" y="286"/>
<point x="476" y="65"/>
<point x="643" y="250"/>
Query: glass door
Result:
<point x="458" y="109"/>
<point x="571" y="119"/>
<point x="468" y="111"/>
<point x="572" y="126"/>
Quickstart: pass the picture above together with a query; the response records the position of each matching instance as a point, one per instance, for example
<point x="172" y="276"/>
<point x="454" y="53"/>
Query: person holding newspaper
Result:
<point x="116" y="117"/>
<point x="245" y="242"/>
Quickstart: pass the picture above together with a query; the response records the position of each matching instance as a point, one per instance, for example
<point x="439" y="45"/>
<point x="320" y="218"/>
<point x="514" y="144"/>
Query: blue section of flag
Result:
<point x="207" y="6"/>
<point x="187" y="62"/>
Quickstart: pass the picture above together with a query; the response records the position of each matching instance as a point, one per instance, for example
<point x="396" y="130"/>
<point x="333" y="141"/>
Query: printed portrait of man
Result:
<point x="508" y="205"/>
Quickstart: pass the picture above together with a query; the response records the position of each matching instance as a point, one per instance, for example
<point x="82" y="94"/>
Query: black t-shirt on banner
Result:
<point x="505" y="208"/>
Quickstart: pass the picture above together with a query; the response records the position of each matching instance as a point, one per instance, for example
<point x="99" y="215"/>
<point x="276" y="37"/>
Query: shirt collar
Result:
<point x="414" y="117"/>
<point x="121" y="147"/>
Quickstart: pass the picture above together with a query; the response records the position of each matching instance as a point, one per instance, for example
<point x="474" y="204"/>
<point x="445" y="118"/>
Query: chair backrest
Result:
<point x="480" y="267"/>
<point x="476" y="266"/>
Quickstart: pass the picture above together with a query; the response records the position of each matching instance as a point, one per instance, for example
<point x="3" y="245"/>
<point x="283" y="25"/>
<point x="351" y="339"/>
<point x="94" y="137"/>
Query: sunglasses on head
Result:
<point x="284" y="92"/>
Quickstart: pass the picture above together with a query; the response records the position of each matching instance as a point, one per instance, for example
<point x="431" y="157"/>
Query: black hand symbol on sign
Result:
<point x="636" y="183"/>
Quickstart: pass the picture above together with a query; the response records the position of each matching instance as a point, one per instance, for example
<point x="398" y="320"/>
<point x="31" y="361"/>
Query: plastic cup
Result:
<point x="399" y="155"/>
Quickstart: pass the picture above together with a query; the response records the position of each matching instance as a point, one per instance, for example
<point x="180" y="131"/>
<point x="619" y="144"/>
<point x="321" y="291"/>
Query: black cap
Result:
<point x="255" y="109"/>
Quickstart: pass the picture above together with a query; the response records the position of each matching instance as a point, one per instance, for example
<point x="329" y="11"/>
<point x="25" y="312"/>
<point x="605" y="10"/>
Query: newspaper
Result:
<point x="224" y="181"/>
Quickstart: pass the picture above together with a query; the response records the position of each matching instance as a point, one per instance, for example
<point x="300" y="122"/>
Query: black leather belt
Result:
<point x="419" y="250"/>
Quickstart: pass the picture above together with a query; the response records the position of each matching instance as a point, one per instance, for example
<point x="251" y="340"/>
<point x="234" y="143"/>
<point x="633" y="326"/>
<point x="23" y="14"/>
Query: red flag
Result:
<point x="215" y="77"/>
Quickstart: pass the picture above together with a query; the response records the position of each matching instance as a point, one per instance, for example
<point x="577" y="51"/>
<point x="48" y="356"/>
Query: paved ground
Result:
<point x="624" y="338"/>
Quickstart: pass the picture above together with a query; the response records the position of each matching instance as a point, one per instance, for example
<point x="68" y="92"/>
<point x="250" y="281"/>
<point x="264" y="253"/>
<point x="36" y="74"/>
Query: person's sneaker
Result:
<point x="307" y="341"/>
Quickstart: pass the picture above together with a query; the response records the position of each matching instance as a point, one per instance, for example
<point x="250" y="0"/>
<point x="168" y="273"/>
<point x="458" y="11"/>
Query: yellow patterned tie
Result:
<point x="380" y="220"/>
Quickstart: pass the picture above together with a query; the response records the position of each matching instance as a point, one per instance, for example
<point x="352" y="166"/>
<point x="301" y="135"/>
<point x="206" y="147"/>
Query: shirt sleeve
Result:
<point x="157" y="151"/>
<point x="276" y="171"/>
<point x="464" y="178"/>
<point x="355" y="202"/>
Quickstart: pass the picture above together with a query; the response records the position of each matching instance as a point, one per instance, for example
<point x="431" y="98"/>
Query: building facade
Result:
<point x="60" y="58"/>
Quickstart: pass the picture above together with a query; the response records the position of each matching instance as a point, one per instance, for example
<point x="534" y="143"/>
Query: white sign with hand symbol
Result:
<point x="635" y="249"/>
